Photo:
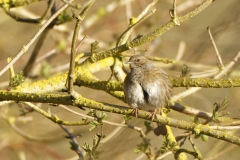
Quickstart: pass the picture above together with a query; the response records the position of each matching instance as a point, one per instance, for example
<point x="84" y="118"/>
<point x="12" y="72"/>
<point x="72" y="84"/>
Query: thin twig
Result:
<point x="225" y="128"/>
<point x="113" y="133"/>
<point x="53" y="117"/>
<point x="113" y="5"/>
<point x="11" y="70"/>
<point x="198" y="153"/>
<point x="93" y="118"/>
<point x="75" y="146"/>
<point x="173" y="13"/>
<point x="94" y="148"/>
<point x="144" y="138"/>
<point x="134" y="22"/>
<point x="51" y="4"/>
<point x="78" y="45"/>
<point x="174" y="8"/>
<point x="70" y="78"/>
<point x="71" y="5"/>
<point x="215" y="48"/>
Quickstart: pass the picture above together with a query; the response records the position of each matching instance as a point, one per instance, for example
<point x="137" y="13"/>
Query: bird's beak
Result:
<point x="128" y="62"/>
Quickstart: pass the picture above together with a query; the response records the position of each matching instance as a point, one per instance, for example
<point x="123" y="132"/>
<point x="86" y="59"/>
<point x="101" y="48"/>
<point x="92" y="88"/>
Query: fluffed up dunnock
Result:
<point x="147" y="88"/>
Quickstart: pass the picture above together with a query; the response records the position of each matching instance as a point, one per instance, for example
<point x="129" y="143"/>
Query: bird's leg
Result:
<point x="135" y="110"/>
<point x="154" y="114"/>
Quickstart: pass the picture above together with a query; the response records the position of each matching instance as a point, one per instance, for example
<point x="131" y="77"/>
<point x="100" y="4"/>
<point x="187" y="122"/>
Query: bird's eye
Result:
<point x="138" y="60"/>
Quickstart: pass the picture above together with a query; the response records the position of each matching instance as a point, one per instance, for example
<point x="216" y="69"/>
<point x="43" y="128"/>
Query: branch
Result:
<point x="55" y="118"/>
<point x="74" y="144"/>
<point x="84" y="102"/>
<point x="70" y="78"/>
<point x="221" y="66"/>
<point x="205" y="82"/>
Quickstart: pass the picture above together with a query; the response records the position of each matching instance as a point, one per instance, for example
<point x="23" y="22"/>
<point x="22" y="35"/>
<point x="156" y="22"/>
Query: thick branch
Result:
<point x="84" y="102"/>
<point x="205" y="82"/>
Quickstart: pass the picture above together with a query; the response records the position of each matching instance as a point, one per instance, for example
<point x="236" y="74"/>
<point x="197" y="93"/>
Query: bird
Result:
<point x="147" y="87"/>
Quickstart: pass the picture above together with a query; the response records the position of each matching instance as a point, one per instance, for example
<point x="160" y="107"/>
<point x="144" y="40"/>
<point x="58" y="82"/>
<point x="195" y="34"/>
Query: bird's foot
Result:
<point x="154" y="114"/>
<point x="135" y="110"/>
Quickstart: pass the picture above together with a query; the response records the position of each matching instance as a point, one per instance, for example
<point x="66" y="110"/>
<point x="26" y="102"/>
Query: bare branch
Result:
<point x="216" y="49"/>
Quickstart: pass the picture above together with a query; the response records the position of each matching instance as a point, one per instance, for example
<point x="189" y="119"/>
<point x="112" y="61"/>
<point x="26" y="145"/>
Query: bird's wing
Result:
<point x="156" y="87"/>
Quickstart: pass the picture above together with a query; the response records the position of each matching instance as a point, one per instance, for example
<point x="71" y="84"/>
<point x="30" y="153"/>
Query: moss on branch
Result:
<point x="205" y="82"/>
<point x="84" y="102"/>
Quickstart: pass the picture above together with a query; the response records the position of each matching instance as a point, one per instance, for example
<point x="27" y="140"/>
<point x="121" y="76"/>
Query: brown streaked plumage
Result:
<point x="147" y="87"/>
